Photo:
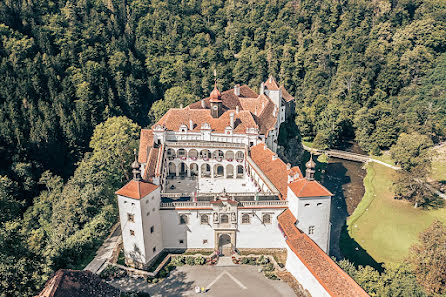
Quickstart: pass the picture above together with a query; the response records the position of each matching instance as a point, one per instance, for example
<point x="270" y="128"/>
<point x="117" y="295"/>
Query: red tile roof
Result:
<point x="77" y="283"/>
<point x="275" y="170"/>
<point x="271" y="84"/>
<point x="296" y="170"/>
<point x="152" y="160"/>
<point x="308" y="188"/>
<point x="334" y="280"/>
<point x="176" y="117"/>
<point x="286" y="95"/>
<point x="145" y="142"/>
<point x="136" y="189"/>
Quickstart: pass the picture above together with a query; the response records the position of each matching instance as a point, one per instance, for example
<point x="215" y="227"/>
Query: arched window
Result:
<point x="245" y="219"/>
<point x="205" y="170"/>
<point x="224" y="219"/>
<point x="239" y="155"/>
<point x="266" y="219"/>
<point x="204" y="219"/>
<point x="183" y="219"/>
<point x="240" y="171"/>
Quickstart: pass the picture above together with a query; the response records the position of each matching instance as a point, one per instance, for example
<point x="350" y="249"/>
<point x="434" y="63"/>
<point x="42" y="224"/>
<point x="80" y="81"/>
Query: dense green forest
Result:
<point x="359" y="69"/>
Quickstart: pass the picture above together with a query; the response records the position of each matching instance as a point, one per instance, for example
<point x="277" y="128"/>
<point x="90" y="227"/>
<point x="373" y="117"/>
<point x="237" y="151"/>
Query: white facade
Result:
<point x="313" y="217"/>
<point x="140" y="225"/>
<point x="295" y="266"/>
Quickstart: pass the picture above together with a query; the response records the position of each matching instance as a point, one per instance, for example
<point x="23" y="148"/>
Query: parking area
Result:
<point x="240" y="280"/>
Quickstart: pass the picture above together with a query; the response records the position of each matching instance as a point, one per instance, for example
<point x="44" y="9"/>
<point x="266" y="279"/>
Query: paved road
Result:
<point x="105" y="252"/>
<point x="239" y="280"/>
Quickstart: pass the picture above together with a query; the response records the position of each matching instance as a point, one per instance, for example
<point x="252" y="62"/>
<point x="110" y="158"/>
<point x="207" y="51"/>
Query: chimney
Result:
<point x="274" y="111"/>
<point x="181" y="105"/>
<point x="231" y="120"/>
<point x="264" y="146"/>
<point x="236" y="109"/>
<point x="203" y="105"/>
<point x="191" y="125"/>
<point x="237" y="90"/>
<point x="274" y="157"/>
<point x="263" y="105"/>
<point x="262" y="88"/>
<point x="255" y="110"/>
<point x="288" y="166"/>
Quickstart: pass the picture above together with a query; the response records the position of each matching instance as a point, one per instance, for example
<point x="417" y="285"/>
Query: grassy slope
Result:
<point x="439" y="164"/>
<point x="384" y="227"/>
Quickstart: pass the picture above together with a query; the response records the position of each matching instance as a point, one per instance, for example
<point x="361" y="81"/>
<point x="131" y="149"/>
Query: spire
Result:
<point x="215" y="94"/>
<point x="136" y="168"/>
<point x="311" y="165"/>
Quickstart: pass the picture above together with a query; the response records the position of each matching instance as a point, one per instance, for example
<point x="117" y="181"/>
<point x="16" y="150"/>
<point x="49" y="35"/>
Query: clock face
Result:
<point x="215" y="107"/>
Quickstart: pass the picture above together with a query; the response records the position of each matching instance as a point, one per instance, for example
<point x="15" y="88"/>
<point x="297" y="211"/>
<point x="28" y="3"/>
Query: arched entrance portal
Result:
<point x="225" y="245"/>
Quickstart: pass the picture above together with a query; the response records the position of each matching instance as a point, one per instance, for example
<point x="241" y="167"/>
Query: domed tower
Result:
<point x="215" y="100"/>
<point x="310" y="171"/>
<point x="136" y="168"/>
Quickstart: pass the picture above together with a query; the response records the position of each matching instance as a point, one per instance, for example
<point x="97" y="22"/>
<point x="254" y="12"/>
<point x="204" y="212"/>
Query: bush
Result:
<point x="245" y="260"/>
<point x="262" y="260"/>
<point x="280" y="264"/>
<point x="164" y="272"/>
<point x="177" y="261"/>
<point x="252" y="261"/>
<point x="108" y="272"/>
<point x="268" y="267"/>
<point x="271" y="275"/>
<point x="190" y="261"/>
<point x="199" y="260"/>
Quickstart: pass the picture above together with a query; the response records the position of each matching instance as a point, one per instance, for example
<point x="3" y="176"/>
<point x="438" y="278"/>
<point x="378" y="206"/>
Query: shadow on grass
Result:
<point x="353" y="252"/>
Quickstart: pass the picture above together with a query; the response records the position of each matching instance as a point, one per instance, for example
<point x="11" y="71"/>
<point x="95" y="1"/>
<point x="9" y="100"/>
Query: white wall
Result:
<point x="312" y="211"/>
<point x="146" y="214"/>
<point x="192" y="234"/>
<point x="259" y="235"/>
<point x="303" y="275"/>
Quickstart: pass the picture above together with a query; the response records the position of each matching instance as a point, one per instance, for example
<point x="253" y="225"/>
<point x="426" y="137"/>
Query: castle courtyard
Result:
<point x="221" y="282"/>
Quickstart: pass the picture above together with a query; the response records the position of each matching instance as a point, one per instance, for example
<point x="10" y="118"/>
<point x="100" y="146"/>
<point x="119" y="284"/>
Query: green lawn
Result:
<point x="385" y="157"/>
<point x="439" y="165"/>
<point x="384" y="227"/>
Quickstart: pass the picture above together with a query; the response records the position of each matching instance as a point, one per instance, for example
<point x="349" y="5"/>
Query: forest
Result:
<point x="79" y="79"/>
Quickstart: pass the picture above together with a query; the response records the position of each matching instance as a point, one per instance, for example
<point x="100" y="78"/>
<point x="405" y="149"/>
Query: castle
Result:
<point x="207" y="177"/>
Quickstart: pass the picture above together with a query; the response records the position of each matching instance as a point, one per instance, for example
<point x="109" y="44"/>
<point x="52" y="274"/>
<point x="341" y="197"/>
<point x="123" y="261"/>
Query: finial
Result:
<point x="135" y="166"/>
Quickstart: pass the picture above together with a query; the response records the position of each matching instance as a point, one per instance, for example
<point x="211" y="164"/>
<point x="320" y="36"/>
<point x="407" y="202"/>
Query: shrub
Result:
<point x="280" y="264"/>
<point x="164" y="272"/>
<point x="252" y="261"/>
<point x="108" y="272"/>
<point x="178" y="261"/>
<point x="268" y="267"/>
<point x="190" y="261"/>
<point x="262" y="260"/>
<point x="245" y="260"/>
<point x="271" y="275"/>
<point x="199" y="260"/>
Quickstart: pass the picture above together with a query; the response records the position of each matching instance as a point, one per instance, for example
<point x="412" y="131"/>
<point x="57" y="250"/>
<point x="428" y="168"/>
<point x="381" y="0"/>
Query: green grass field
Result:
<point x="384" y="227"/>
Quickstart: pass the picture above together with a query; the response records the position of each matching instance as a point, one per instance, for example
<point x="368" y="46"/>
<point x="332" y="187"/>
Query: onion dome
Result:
<point x="136" y="168"/>
<point x="310" y="163"/>
<point x="215" y="94"/>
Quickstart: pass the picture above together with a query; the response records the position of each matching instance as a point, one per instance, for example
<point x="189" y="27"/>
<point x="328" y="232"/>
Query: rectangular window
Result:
<point x="151" y="229"/>
<point x="154" y="249"/>
<point x="131" y="217"/>
<point x="181" y="241"/>
<point x="205" y="241"/>
<point x="311" y="230"/>
<point x="132" y="233"/>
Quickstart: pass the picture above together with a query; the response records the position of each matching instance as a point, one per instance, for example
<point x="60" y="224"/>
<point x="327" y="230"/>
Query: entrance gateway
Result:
<point x="225" y="242"/>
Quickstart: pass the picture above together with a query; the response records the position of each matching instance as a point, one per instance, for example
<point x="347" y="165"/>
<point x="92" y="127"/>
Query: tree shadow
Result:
<point x="357" y="255"/>
<point x="175" y="285"/>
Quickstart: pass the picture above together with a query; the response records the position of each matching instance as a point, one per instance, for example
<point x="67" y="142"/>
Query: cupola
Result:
<point x="216" y="103"/>
<point x="311" y="165"/>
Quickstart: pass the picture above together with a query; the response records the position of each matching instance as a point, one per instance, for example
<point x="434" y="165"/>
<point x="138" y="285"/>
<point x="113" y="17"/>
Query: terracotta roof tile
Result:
<point x="308" y="188"/>
<point x="136" y="189"/>
<point x="77" y="283"/>
<point x="335" y="281"/>
<point x="286" y="95"/>
<point x="152" y="160"/>
<point x="145" y="142"/>
<point x="176" y="117"/>
<point x="275" y="170"/>
<point x="271" y="84"/>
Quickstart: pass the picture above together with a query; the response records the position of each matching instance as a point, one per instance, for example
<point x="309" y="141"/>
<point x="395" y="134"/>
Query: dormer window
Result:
<point x="183" y="128"/>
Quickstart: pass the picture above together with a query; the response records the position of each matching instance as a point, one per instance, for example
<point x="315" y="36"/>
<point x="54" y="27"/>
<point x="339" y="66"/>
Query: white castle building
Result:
<point x="207" y="177"/>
